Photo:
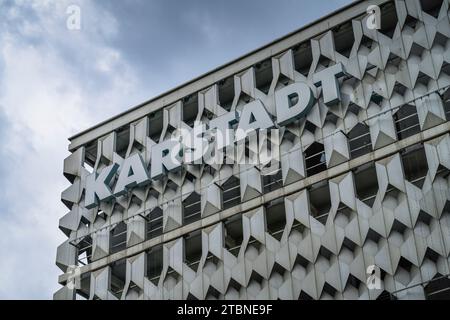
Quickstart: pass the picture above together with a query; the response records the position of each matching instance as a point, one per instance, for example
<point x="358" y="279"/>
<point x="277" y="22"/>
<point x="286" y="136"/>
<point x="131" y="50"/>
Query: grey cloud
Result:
<point x="160" y="36"/>
<point x="125" y="53"/>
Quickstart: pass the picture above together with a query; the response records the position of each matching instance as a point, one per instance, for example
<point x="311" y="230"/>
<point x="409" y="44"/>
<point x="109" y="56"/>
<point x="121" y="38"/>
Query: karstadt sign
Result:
<point x="190" y="147"/>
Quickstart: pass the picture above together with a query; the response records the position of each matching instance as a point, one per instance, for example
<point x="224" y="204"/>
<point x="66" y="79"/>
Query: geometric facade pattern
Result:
<point x="364" y="181"/>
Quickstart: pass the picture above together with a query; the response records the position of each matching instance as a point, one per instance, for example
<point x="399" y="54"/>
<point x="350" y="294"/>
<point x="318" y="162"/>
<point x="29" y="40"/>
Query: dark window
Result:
<point x="344" y="38"/>
<point x="406" y="121"/>
<point x="118" y="238"/>
<point x="191" y="208"/>
<point x="155" y="125"/>
<point x="359" y="140"/>
<point x="193" y="249"/>
<point x="85" y="251"/>
<point x="154" y="264"/>
<point x="446" y="101"/>
<point x="438" y="288"/>
<point x="190" y="109"/>
<point x="432" y="7"/>
<point x="366" y="183"/>
<point x="276" y="218"/>
<point x="226" y="93"/>
<point x="320" y="201"/>
<point x="388" y="19"/>
<point x="212" y="294"/>
<point x="273" y="181"/>
<point x="264" y="75"/>
<point x="122" y="140"/>
<point x="233" y="234"/>
<point x="415" y="164"/>
<point x="155" y="223"/>
<point x="303" y="57"/>
<point x="118" y="272"/>
<point x="315" y="159"/>
<point x="231" y="193"/>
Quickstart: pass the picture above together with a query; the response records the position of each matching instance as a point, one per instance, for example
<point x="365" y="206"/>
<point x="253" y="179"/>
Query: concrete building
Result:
<point x="359" y="207"/>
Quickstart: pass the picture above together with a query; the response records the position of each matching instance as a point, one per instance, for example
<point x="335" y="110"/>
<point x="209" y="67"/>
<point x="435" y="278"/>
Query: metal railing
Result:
<point x="423" y="284"/>
<point x="354" y="151"/>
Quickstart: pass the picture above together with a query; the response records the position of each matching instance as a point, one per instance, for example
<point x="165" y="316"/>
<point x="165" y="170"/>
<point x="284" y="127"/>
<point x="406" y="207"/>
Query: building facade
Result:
<point x="358" y="206"/>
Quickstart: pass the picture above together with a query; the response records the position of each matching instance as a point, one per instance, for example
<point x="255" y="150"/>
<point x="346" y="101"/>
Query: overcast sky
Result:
<point x="55" y="82"/>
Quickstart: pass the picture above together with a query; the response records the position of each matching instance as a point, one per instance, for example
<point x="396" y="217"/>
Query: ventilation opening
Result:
<point x="406" y="121"/>
<point x="82" y="293"/>
<point x="385" y="296"/>
<point x="304" y="296"/>
<point x="212" y="294"/>
<point x="233" y="234"/>
<point x="264" y="75"/>
<point x="137" y="147"/>
<point x="256" y="278"/>
<point x="154" y="223"/>
<point x="331" y="118"/>
<point x="432" y="7"/>
<point x="191" y="297"/>
<point x="366" y="183"/>
<point x="193" y="249"/>
<point x="154" y="264"/>
<point x="445" y="68"/>
<point x="344" y="39"/>
<point x="366" y="42"/>
<point x="446" y="101"/>
<point x="328" y="291"/>
<point x="206" y="115"/>
<point x="276" y="218"/>
<point x="315" y="159"/>
<point x="417" y="51"/>
<point x="359" y="141"/>
<point x="388" y="19"/>
<point x="273" y="181"/>
<point x="155" y="125"/>
<point x="411" y="22"/>
<point x="375" y="97"/>
<point x="253" y="249"/>
<point x="190" y="109"/>
<point x="342" y="218"/>
<point x="285" y="81"/>
<point x="353" y="281"/>
<point x="84" y="251"/>
<point x="309" y="126"/>
<point x="90" y="156"/>
<point x="320" y="201"/>
<point x="117" y="280"/>
<point x="191" y="208"/>
<point x="244" y="98"/>
<point x="226" y="93"/>
<point x="118" y="238"/>
<point x="354" y="108"/>
<point x="415" y="165"/>
<point x="122" y="141"/>
<point x="233" y="285"/>
<point x="438" y="288"/>
<point x="303" y="57"/>
<point x="211" y="261"/>
<point x="297" y="231"/>
<point x="231" y="193"/>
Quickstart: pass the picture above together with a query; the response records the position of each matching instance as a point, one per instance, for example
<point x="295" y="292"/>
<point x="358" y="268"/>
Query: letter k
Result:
<point x="97" y="186"/>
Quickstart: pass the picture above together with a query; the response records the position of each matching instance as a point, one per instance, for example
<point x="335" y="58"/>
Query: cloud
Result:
<point x="45" y="98"/>
<point x="55" y="82"/>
